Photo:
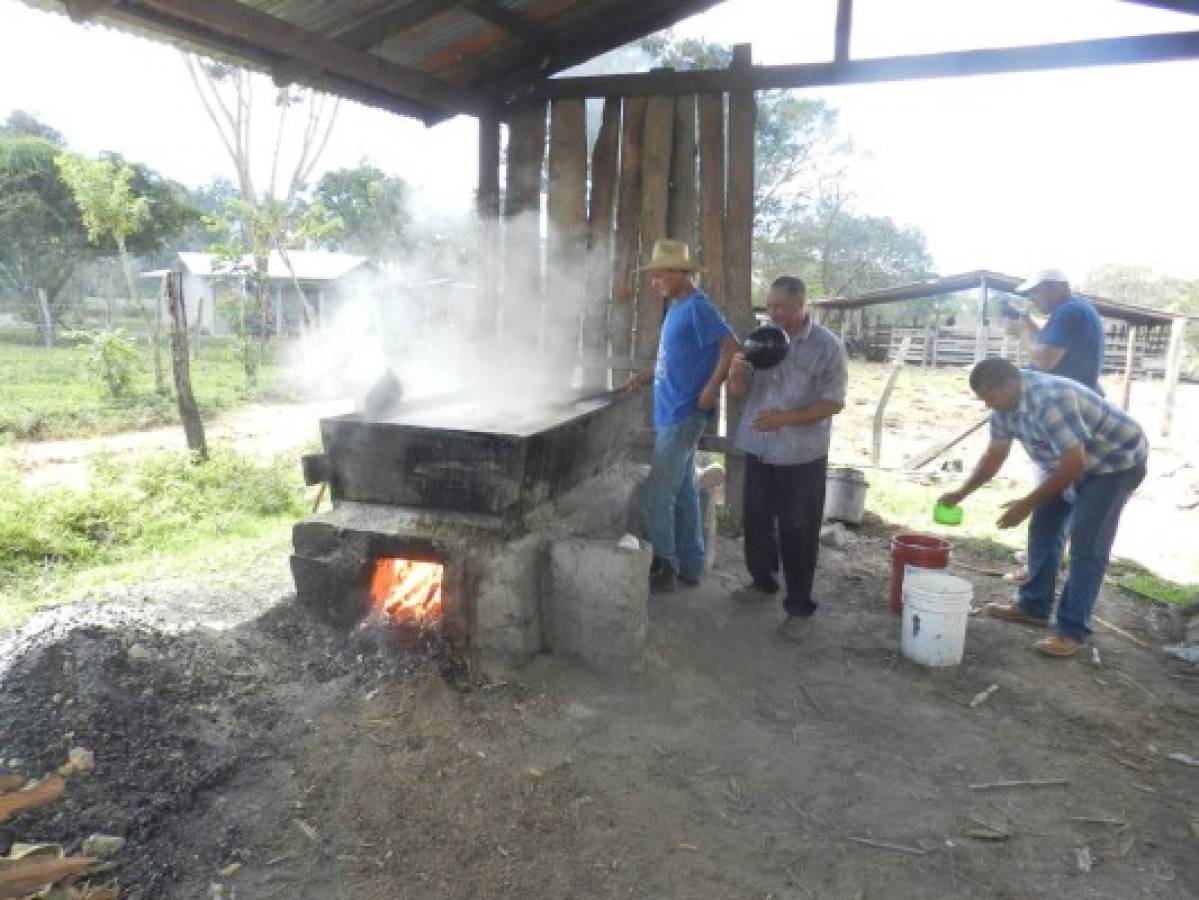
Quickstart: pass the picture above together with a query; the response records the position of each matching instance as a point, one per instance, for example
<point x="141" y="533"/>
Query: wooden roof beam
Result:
<point x="1187" y="7"/>
<point x="1149" y="48"/>
<point x="238" y="21"/>
<point x="85" y="10"/>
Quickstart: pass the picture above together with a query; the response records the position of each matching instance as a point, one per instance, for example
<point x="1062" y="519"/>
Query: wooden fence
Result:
<point x="942" y="346"/>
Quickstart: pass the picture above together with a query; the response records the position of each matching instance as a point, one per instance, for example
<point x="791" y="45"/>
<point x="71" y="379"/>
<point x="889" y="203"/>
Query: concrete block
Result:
<point x="316" y="539"/>
<point x="598" y="601"/>
<point x="335" y="589"/>
<point x="507" y="619"/>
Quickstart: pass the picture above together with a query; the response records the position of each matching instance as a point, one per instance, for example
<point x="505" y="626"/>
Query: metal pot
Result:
<point x="766" y="346"/>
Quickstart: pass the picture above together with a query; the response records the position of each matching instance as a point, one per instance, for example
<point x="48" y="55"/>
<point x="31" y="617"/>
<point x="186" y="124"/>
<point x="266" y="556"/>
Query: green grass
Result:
<point x="162" y="514"/>
<point x="47" y="394"/>
<point x="1142" y="583"/>
<point x="909" y="504"/>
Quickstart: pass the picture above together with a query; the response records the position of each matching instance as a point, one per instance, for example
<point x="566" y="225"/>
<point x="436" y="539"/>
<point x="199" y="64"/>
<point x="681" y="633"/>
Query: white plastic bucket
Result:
<point x="935" y="609"/>
<point x="845" y="495"/>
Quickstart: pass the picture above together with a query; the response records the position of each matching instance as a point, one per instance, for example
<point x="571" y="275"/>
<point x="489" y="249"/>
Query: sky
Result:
<point x="1074" y="169"/>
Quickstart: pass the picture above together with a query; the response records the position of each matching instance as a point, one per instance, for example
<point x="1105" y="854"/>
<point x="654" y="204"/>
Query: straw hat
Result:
<point x="670" y="254"/>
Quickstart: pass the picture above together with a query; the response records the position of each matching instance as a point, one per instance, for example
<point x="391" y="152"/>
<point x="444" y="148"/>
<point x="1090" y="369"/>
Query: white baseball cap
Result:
<point x="1042" y="277"/>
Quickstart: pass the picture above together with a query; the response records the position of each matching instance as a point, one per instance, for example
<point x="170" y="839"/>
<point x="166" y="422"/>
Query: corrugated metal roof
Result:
<point x="952" y="284"/>
<point x="309" y="265"/>
<point x="428" y="58"/>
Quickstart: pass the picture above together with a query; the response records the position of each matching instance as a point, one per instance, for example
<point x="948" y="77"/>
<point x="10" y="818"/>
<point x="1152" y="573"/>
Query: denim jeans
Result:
<point x="670" y="518"/>
<point x="1090" y="522"/>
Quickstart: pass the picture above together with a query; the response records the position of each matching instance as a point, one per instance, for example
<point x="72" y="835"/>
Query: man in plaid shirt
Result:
<point x="1093" y="456"/>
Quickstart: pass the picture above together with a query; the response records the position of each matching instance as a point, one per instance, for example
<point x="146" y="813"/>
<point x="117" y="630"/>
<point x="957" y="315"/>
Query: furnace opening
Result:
<point x="409" y="591"/>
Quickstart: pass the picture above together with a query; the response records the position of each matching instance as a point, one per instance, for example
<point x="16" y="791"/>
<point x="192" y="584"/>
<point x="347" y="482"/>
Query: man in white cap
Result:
<point x="695" y="350"/>
<point x="1071" y="343"/>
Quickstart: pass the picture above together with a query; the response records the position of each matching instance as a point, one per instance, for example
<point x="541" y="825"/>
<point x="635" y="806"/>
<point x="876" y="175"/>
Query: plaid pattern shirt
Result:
<point x="1056" y="414"/>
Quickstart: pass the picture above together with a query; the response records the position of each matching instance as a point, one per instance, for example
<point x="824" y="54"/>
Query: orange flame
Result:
<point x="407" y="589"/>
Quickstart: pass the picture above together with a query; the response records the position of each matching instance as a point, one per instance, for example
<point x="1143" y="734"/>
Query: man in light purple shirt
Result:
<point x="785" y="431"/>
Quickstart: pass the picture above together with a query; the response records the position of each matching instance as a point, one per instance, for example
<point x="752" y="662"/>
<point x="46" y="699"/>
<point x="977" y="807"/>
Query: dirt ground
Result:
<point x="733" y="765"/>
<point x="246" y="751"/>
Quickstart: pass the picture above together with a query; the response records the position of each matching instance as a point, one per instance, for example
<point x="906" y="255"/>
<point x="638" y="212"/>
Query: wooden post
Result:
<point x="189" y="412"/>
<point x="739" y="221"/>
<point x="683" y="217"/>
<point x="711" y="195"/>
<point x="628" y="217"/>
<point x="567" y="240"/>
<point x="599" y="244"/>
<point x="983" y="335"/>
<point x="487" y="207"/>
<point x="43" y="305"/>
<point x="1173" y="369"/>
<point x="1130" y="353"/>
<point x="522" y="213"/>
<point x="924" y="457"/>
<point x="843" y="30"/>
<point x="657" y="148"/>
<point x="876" y="444"/>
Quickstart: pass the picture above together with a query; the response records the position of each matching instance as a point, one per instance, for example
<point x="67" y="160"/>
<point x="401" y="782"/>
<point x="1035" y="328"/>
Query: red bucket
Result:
<point x="914" y="550"/>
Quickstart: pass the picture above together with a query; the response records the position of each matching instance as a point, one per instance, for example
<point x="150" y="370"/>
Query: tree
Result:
<point x="269" y="219"/>
<point x="111" y="210"/>
<point x="209" y="201"/>
<point x="372" y="208"/>
<point x="1144" y="287"/>
<point x="170" y="211"/>
<point x="42" y="239"/>
<point x="22" y="124"/>
<point x="837" y="251"/>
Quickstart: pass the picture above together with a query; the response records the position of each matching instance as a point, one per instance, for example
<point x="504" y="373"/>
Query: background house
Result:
<point x="326" y="280"/>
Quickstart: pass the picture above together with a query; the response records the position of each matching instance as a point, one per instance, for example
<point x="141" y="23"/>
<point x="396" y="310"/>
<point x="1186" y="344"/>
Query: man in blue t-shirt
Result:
<point x="1071" y="343"/>
<point x="694" y="353"/>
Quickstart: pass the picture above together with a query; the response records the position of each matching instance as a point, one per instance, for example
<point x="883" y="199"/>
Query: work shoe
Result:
<point x="751" y="593"/>
<point x="690" y="580"/>
<point x="1012" y="612"/>
<point x="662" y="578"/>
<point x="1058" y="646"/>
<point x="794" y="628"/>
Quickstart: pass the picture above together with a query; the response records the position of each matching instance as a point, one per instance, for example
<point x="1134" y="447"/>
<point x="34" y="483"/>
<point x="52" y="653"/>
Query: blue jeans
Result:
<point x="670" y="518"/>
<point x="1090" y="522"/>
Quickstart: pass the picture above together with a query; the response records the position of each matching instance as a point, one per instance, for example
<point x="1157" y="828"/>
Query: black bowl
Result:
<point x="765" y="346"/>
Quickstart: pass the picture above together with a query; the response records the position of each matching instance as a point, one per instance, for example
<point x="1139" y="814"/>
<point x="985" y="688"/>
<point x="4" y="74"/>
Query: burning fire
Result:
<point x="408" y="590"/>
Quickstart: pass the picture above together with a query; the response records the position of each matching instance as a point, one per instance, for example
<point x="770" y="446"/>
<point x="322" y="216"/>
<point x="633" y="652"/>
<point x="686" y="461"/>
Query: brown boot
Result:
<point x="1058" y="646"/>
<point x="1012" y="612"/>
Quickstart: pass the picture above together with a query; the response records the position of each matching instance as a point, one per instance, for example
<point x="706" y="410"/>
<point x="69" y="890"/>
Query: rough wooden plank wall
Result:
<point x="682" y="221"/>
<point x="739" y="221"/>
<point x="566" y="205"/>
<point x="487" y="207"/>
<point x="522" y="227"/>
<point x="656" y="151"/>
<point x="601" y="212"/>
<point x="628" y="218"/>
<point x="711" y="194"/>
